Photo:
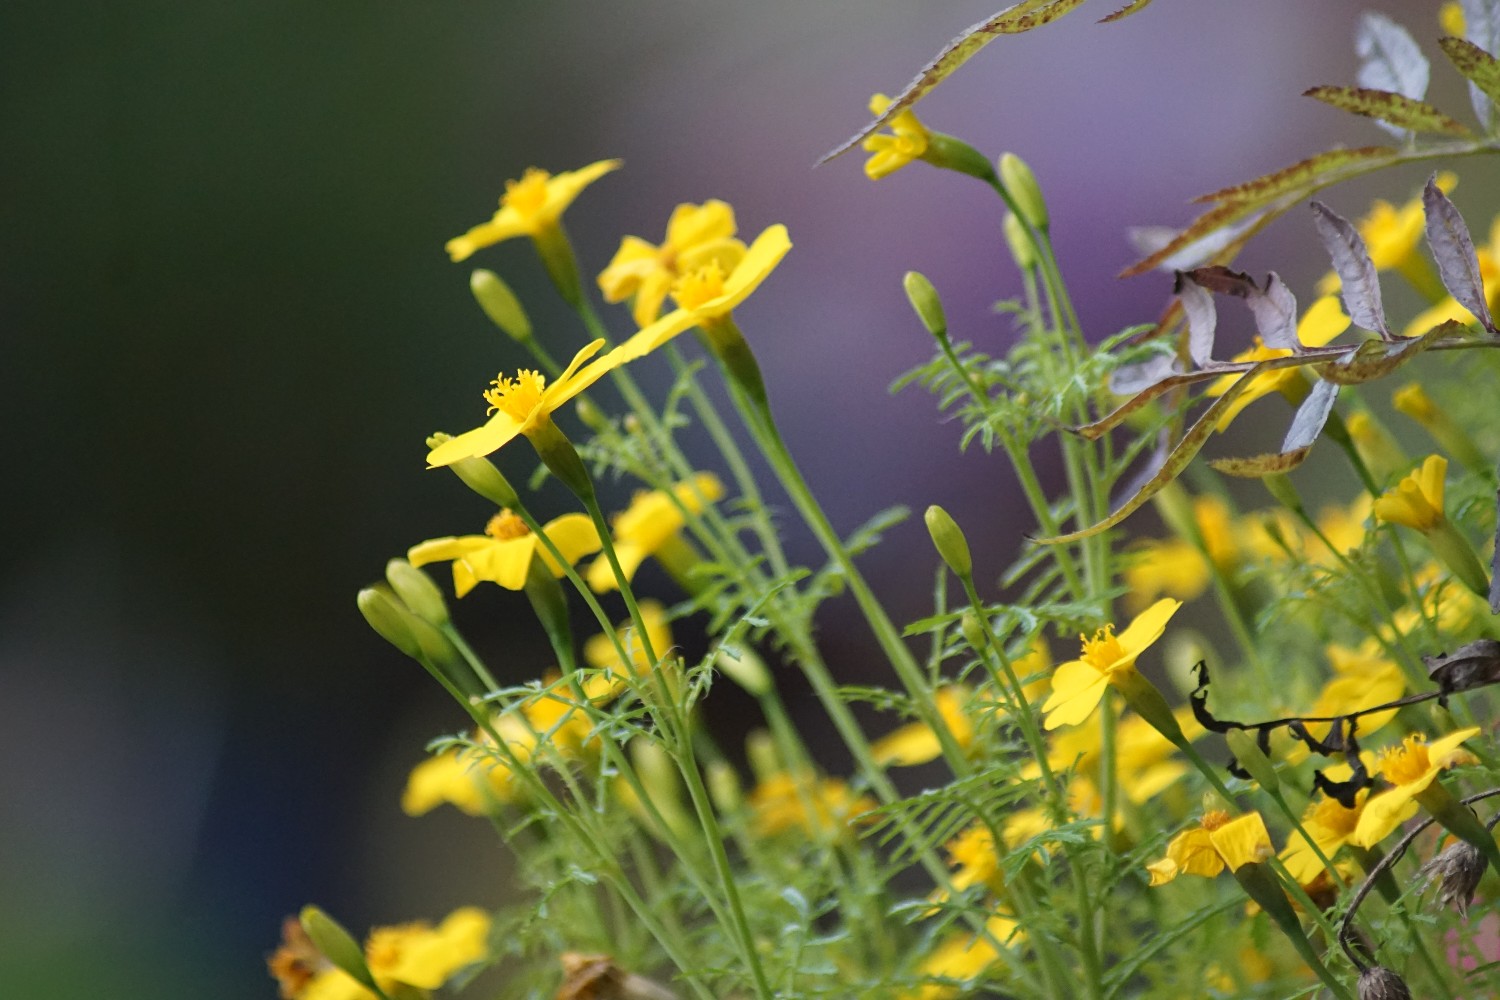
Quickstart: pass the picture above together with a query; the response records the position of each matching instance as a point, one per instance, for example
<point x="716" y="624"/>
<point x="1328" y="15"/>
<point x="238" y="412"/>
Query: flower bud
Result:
<point x="760" y="750"/>
<point x="948" y="539"/>
<point x="481" y="476"/>
<point x="1379" y="983"/>
<point x="1249" y="756"/>
<point x="500" y="304"/>
<point x="973" y="630"/>
<point x="1457" y="870"/>
<point x="745" y="668"/>
<point x="1380" y="452"/>
<point x="724" y="787"/>
<point x="924" y="299"/>
<point x="417" y="591"/>
<point x="592" y="416"/>
<point x="1024" y="190"/>
<point x="389" y="617"/>
<point x="1019" y="241"/>
<point x="336" y="944"/>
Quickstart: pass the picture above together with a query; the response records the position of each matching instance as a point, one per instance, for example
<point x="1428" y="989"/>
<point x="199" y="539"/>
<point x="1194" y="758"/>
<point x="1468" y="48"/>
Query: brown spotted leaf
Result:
<point x="1453" y="250"/>
<point x="1135" y="6"/>
<point x="1012" y="20"/>
<point x="1395" y="109"/>
<point x="1376" y="359"/>
<point x="1308" y="423"/>
<point x="1482" y="69"/>
<point x="1260" y="466"/>
<point x="1303" y="175"/>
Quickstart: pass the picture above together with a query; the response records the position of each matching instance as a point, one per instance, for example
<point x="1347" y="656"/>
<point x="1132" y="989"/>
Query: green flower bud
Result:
<point x="948" y="539"/>
<point x="1019" y="241"/>
<point x="745" y="668"/>
<point x="724" y="787"/>
<point x="417" y="591"/>
<point x="592" y="416"/>
<point x="389" y="617"/>
<point x="1025" y="191"/>
<point x="500" y="304"/>
<point x="336" y="944"/>
<point x="924" y="299"/>
<point x="973" y="630"/>
<point x="760" y="749"/>
<point x="481" y="476"/>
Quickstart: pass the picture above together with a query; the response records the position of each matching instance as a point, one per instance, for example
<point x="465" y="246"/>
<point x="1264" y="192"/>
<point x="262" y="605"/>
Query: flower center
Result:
<point x="384" y="947"/>
<point x="527" y="195"/>
<point x="506" y="526"/>
<point x="517" y="397"/>
<point x="1406" y="763"/>
<point x="1213" y="819"/>
<point x="1333" y="817"/>
<point x="1103" y="650"/>
<point x="693" y="290"/>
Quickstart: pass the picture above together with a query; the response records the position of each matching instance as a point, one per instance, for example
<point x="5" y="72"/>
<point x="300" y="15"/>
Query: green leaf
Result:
<point x="1482" y="69"/>
<point x="1012" y="20"/>
<point x="1394" y="109"/>
<point x="1300" y="175"/>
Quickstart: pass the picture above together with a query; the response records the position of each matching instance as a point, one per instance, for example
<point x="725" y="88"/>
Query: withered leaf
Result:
<point x="1128" y="380"/>
<point x="1390" y="59"/>
<point x="1356" y="271"/>
<point x="1135" y="6"/>
<point x="1311" y="416"/>
<point x="1220" y="279"/>
<point x="1275" y="311"/>
<point x="1202" y="318"/>
<point x="1258" y="466"/>
<point x="1300" y="175"/>
<point x="1375" y="359"/>
<point x="1474" y="664"/>
<point x="1383" y="105"/>
<point x="1453" y="250"/>
<point x="1012" y="20"/>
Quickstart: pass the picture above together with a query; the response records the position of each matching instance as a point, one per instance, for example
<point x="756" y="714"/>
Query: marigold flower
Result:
<point x="1417" y="500"/>
<point x="1107" y="659"/>
<point x="1362" y="678"/>
<point x="529" y="207"/>
<point x="696" y="235"/>
<point x="410" y="957"/>
<point x="916" y="743"/>
<point x="1451" y="18"/>
<point x="524" y="405"/>
<point x="1410" y="769"/>
<point x="1488" y="259"/>
<point x="600" y="654"/>
<point x="907" y="141"/>
<point x="1330" y="825"/>
<point x="1218" y="842"/>
<point x="1324" y="320"/>
<point x="504" y="552"/>
<point x="823" y="808"/>
<point x="1393" y="234"/>
<point x="711" y="291"/>
<point x="652" y="526"/>
<point x="964" y="956"/>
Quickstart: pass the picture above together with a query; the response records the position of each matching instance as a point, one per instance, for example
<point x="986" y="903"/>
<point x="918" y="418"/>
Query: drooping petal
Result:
<point x="1243" y="841"/>
<point x="497" y="432"/>
<point x="1076" y="689"/>
<point x="1383" y="813"/>
<point x="575" y="537"/>
<point x="601" y="577"/>
<point x="632" y="263"/>
<point x="505" y="562"/>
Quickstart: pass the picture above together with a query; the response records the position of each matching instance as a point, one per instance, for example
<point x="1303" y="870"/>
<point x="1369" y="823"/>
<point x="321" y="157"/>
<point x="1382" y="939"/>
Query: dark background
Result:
<point x="229" y="324"/>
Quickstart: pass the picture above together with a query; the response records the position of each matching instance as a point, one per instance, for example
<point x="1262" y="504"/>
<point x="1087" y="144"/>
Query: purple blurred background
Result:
<point x="230" y="325"/>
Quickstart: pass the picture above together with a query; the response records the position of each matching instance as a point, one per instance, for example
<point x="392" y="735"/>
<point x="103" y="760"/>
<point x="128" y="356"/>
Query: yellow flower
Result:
<point x="1034" y="669"/>
<point x="1451" y="18"/>
<point x="711" y="292"/>
<point x="1171" y="566"/>
<point x="1143" y="755"/>
<point x="599" y="652"/>
<point x="410" y="957"/>
<point x="524" y="405"/>
<point x="696" y="235"/>
<point x="1417" y="500"/>
<point x="1107" y="659"/>
<point x="963" y="956"/>
<point x="1324" y="320"/>
<point x="1217" y="843"/>
<point x="504" y="552"/>
<point x="652" y="525"/>
<point x="907" y="141"/>
<point x="1330" y="825"/>
<point x="916" y="743"/>
<point x="1409" y="768"/>
<point x="823" y="808"/>
<point x="1488" y="258"/>
<point x="1362" y="679"/>
<point x="1393" y="234"/>
<point x="529" y="207"/>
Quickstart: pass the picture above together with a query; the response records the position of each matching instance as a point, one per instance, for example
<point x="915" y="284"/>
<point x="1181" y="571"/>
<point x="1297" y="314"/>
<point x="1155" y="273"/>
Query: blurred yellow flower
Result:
<point x="1451" y="18"/>
<point x="1448" y="308"/>
<point x="652" y="526"/>
<point x="504" y="552"/>
<point x="1218" y="842"/>
<point x="1078" y="685"/>
<point x="1391" y="234"/>
<point x="1324" y="320"/>
<point x="696" y="235"/>
<point x="916" y="743"/>
<point x="907" y="141"/>
<point x="1410" y="768"/>
<point x="963" y="956"/>
<point x="823" y="808"/>
<point x="529" y="207"/>
<point x="1417" y="500"/>
<point x="1362" y="679"/>
<point x="410" y="959"/>
<point x="607" y="678"/>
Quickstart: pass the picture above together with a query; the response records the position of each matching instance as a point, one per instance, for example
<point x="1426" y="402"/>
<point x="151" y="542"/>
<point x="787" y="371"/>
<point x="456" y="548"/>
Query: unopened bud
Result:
<point x="336" y="944"/>
<point x="1024" y="190"/>
<point x="1019" y="241"/>
<point x="417" y="591"/>
<point x="745" y="668"/>
<point x="760" y="750"/>
<point x="1248" y="755"/>
<point x="948" y="539"/>
<point x="1379" y="983"/>
<point x="592" y="416"/>
<point x="1380" y="452"/>
<point x="973" y="630"/>
<point x="500" y="304"/>
<point x="924" y="299"/>
<point x="1457" y="871"/>
<point x="389" y="617"/>
<point x="481" y="476"/>
<point x="724" y="787"/>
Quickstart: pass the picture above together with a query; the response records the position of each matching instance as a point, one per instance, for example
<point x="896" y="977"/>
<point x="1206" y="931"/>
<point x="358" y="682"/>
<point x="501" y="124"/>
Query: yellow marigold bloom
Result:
<point x="529" y="206"/>
<point x="467" y="782"/>
<point x="963" y="956"/>
<point x="609" y="677"/>
<point x="915" y="743"/>
<point x="1393" y="234"/>
<point x="1410" y="769"/>
<point x="1324" y="320"/>
<point x="504" y="552"/>
<point x="1451" y="18"/>
<point x="1078" y="684"/>
<point x="1417" y="500"/>
<point x="1331" y="826"/>
<point x="651" y="524"/>
<point x="696" y="235"/>
<point x="823" y="808"/>
<point x="1363" y="678"/>
<point x="1145" y="767"/>
<point x="410" y="957"/>
<point x="524" y="405"/>
<point x="1448" y="308"/>
<point x="710" y="292"/>
<point x="907" y="141"/>
<point x="1218" y="842"/>
<point x="1169" y="566"/>
<point x="1034" y="669"/>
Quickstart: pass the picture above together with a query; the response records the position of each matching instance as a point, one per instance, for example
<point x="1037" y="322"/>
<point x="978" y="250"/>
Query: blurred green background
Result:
<point x="229" y="324"/>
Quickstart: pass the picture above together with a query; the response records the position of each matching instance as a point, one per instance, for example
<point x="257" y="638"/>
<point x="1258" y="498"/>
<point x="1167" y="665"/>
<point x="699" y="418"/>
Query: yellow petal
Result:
<point x="1076" y="689"/>
<point x="564" y="187"/>
<point x="429" y="959"/>
<point x="907" y="746"/>
<point x="1243" y="841"/>
<point x="506" y="224"/>
<point x="505" y="562"/>
<point x="691" y="225"/>
<point x="497" y="432"/>
<point x="444" y="549"/>
<point x="575" y="537"/>
<point x="1148" y="626"/>
<point x="1324" y="320"/>
<point x="1383" y="813"/>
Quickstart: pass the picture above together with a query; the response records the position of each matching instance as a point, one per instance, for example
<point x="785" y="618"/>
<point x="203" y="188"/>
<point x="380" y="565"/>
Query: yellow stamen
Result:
<point x="1213" y="819"/>
<point x="704" y="284"/>
<point x="527" y="195"/>
<point x="506" y="526"/>
<point x="518" y="396"/>
<point x="1406" y="763"/>
<point x="1103" y="650"/>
